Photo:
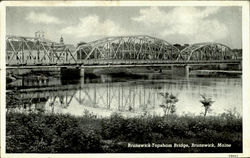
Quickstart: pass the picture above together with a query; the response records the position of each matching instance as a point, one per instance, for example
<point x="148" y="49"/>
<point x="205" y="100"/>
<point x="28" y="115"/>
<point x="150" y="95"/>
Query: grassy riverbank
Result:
<point x="32" y="133"/>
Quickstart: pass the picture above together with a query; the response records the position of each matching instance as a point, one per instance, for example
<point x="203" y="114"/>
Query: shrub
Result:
<point x="48" y="133"/>
<point x="169" y="103"/>
<point x="42" y="133"/>
<point x="130" y="129"/>
<point x="112" y="127"/>
<point x="206" y="103"/>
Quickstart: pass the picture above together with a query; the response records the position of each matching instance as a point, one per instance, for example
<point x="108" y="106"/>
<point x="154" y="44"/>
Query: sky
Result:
<point x="183" y="25"/>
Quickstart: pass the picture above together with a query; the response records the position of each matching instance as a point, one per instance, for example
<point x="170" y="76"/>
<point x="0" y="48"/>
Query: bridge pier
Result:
<point x="82" y="72"/>
<point x="187" y="69"/>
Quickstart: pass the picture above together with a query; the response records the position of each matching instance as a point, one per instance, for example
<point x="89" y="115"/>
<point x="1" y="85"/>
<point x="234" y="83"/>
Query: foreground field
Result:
<point x="42" y="133"/>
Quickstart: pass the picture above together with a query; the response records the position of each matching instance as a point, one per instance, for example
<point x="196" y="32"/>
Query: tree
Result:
<point x="169" y="103"/>
<point x="206" y="103"/>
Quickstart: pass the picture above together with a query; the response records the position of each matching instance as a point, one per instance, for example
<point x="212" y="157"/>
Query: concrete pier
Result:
<point x="82" y="71"/>
<point x="187" y="69"/>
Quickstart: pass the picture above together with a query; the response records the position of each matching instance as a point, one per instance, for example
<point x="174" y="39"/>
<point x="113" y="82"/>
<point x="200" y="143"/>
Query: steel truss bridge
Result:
<point x="29" y="52"/>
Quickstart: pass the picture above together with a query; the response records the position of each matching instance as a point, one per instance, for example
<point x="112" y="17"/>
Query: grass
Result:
<point x="42" y="133"/>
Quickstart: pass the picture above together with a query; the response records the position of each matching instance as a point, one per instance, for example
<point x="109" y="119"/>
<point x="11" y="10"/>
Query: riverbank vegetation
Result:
<point x="58" y="133"/>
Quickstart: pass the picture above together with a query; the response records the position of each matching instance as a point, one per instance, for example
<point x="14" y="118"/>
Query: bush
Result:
<point x="48" y="133"/>
<point x="42" y="133"/>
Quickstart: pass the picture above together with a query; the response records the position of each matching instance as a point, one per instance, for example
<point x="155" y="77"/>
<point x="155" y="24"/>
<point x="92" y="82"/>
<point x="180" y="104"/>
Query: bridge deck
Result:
<point x="122" y="63"/>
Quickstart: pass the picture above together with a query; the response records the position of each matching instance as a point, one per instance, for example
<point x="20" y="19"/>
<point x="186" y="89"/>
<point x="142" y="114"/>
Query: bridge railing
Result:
<point x="96" y="62"/>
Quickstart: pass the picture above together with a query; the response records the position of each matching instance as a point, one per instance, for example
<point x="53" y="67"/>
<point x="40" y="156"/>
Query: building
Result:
<point x="61" y="40"/>
<point x="39" y="34"/>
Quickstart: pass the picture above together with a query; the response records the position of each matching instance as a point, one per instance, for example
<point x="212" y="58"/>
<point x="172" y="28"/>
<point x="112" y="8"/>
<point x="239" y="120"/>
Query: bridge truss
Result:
<point x="206" y="52"/>
<point x="36" y="51"/>
<point x="120" y="50"/>
<point x="128" y="48"/>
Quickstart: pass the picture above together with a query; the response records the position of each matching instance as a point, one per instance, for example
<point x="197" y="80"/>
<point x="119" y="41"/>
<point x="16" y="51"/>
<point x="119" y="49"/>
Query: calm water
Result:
<point x="130" y="97"/>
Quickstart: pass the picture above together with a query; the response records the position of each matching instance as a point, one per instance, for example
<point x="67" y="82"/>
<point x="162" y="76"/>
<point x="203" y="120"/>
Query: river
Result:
<point x="104" y="95"/>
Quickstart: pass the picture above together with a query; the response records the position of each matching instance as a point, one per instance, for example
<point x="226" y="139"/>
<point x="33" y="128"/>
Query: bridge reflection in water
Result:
<point x="110" y="96"/>
<point x="129" y="98"/>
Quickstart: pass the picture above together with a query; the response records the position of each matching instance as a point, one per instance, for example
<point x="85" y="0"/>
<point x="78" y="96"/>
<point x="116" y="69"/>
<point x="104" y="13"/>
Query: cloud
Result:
<point x="42" y="18"/>
<point x="92" y="26"/>
<point x="194" y="23"/>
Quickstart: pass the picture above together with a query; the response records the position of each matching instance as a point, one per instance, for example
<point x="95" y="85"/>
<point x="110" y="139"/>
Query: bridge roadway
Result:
<point x="122" y="63"/>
